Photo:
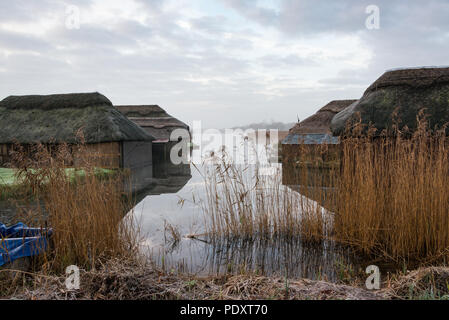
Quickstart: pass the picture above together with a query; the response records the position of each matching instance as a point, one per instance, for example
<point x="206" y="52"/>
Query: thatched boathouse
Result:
<point x="315" y="130"/>
<point x="158" y="123"/>
<point x="310" y="145"/>
<point x="397" y="98"/>
<point x="111" y="139"/>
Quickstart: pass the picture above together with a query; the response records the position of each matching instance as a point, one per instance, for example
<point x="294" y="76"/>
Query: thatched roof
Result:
<point x="412" y="77"/>
<point x="59" y="117"/>
<point x="319" y="123"/>
<point x="155" y="120"/>
<point x="399" y="95"/>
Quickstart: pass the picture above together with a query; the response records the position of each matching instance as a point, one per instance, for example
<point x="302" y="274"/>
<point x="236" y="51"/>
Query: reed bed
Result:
<point x="242" y="203"/>
<point x="385" y="195"/>
<point x="84" y="206"/>
<point x="392" y="198"/>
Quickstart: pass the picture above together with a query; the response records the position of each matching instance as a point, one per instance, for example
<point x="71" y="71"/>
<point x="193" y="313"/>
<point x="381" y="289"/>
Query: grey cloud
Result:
<point x="24" y="10"/>
<point x="307" y="17"/>
<point x="211" y="24"/>
<point x="91" y="36"/>
<point x="303" y="17"/>
<point x="290" y="60"/>
<point x="195" y="72"/>
<point x="134" y="29"/>
<point x="250" y="10"/>
<point x="22" y="42"/>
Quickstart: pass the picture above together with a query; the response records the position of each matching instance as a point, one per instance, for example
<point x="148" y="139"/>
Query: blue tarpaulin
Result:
<point x="19" y="241"/>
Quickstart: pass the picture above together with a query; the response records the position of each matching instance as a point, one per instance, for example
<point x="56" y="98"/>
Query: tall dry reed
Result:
<point x="385" y="195"/>
<point x="392" y="198"/>
<point x="246" y="201"/>
<point x="83" y="205"/>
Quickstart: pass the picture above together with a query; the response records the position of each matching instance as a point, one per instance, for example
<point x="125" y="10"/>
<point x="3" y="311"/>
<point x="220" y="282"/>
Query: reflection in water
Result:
<point x="167" y="179"/>
<point x="315" y="182"/>
<point x="279" y="257"/>
<point x="177" y="201"/>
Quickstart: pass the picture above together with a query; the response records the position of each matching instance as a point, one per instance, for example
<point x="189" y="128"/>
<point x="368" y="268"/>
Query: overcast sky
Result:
<point x="225" y="62"/>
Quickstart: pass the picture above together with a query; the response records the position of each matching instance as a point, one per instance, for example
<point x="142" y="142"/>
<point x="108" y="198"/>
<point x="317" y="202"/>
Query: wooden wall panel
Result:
<point x="4" y="154"/>
<point x="105" y="155"/>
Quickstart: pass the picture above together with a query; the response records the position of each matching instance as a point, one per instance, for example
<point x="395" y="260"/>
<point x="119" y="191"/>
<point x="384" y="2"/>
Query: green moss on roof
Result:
<point x="153" y="111"/>
<point x="58" y="118"/>
<point x="55" y="101"/>
<point x="400" y="95"/>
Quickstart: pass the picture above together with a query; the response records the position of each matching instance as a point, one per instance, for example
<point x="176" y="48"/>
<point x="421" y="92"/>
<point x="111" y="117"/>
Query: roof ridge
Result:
<point x="413" y="77"/>
<point x="55" y="101"/>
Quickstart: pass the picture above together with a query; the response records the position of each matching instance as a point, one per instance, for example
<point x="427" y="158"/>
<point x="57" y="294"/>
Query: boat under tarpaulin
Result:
<point x="19" y="241"/>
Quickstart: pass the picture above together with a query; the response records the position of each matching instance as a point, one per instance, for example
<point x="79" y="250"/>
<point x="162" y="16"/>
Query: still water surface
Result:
<point x="175" y="200"/>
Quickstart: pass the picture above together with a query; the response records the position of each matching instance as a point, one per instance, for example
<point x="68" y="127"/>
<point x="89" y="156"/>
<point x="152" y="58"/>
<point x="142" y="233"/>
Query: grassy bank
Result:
<point x="121" y="280"/>
<point x="10" y="176"/>
<point x="118" y="280"/>
<point x="14" y="184"/>
<point x="7" y="176"/>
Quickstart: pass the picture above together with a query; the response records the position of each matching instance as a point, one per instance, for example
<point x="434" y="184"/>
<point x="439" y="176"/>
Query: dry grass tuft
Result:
<point x="424" y="284"/>
<point x="121" y="281"/>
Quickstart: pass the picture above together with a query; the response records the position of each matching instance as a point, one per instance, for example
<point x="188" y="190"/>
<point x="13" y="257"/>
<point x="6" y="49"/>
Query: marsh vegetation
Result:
<point x="84" y="206"/>
<point x="386" y="197"/>
<point x="383" y="198"/>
